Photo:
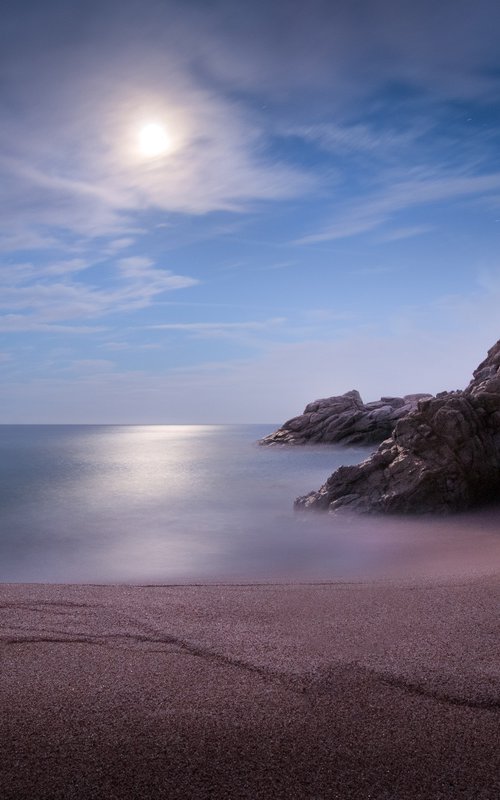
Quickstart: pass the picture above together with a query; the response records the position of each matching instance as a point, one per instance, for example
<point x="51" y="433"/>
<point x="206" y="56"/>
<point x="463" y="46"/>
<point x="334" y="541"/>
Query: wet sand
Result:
<point x="374" y="689"/>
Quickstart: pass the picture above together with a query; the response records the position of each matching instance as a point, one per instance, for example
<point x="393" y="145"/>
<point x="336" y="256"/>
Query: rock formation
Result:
<point x="345" y="419"/>
<point x="442" y="457"/>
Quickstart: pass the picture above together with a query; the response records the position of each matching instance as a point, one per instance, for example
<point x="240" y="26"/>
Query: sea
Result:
<point x="177" y="504"/>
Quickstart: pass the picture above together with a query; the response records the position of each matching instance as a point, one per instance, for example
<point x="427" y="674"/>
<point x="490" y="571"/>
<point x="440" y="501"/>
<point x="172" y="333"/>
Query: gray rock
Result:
<point x="344" y="419"/>
<point x="442" y="457"/>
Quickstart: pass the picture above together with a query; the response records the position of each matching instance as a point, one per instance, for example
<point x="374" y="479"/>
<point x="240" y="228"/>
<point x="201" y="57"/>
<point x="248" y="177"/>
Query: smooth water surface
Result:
<point x="163" y="504"/>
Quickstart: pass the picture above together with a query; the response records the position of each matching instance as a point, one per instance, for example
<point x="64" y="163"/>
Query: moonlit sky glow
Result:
<point x="219" y="212"/>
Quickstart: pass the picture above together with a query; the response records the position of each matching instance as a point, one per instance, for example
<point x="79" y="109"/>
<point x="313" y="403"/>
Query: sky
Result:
<point x="216" y="212"/>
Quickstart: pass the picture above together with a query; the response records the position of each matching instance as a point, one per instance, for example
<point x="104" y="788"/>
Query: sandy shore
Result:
<point x="363" y="690"/>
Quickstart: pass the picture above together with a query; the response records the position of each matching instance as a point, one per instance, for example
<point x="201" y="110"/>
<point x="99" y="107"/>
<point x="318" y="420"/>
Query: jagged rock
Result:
<point x="345" y="419"/>
<point x="442" y="457"/>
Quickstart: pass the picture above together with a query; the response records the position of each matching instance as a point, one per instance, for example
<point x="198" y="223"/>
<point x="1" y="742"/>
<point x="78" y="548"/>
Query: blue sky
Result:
<point x="326" y="215"/>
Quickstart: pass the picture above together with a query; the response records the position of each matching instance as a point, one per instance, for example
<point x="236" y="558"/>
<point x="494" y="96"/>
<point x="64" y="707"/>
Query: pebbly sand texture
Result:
<point x="365" y="690"/>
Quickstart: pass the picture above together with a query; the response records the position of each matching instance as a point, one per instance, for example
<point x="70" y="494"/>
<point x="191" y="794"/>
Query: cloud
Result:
<point x="350" y="48"/>
<point x="143" y="281"/>
<point x="72" y="114"/>
<point x="115" y="245"/>
<point x="21" y="236"/>
<point x="358" y="138"/>
<point x="208" y="326"/>
<point x="380" y="208"/>
<point x="397" y="234"/>
<point x="70" y="158"/>
<point x="262" y="389"/>
<point x="43" y="297"/>
<point x="18" y="323"/>
<point x="220" y="329"/>
<point x="134" y="266"/>
<point x="332" y="123"/>
<point x="26" y="272"/>
<point x="71" y="150"/>
<point x="122" y="346"/>
<point x="278" y="381"/>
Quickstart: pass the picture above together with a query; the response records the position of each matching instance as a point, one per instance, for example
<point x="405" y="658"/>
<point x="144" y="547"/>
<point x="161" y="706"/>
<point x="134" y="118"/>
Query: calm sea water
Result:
<point x="163" y="504"/>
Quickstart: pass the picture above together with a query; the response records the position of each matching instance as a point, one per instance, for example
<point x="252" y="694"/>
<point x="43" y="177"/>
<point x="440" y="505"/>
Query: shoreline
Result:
<point x="377" y="689"/>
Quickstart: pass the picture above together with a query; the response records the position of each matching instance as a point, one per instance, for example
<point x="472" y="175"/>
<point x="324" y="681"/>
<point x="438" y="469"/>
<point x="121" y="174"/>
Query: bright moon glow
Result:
<point x="153" y="140"/>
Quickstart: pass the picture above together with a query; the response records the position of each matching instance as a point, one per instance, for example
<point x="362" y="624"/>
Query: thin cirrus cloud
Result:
<point x="361" y="138"/>
<point x="221" y="329"/>
<point x="379" y="209"/>
<point x="22" y="323"/>
<point x="397" y="234"/>
<point x="55" y="297"/>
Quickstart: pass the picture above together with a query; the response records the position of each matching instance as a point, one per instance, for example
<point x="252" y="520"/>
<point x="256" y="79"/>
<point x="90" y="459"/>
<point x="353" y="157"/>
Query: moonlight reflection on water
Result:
<point x="163" y="504"/>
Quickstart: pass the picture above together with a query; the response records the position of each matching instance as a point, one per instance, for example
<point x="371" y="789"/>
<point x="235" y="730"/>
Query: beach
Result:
<point x="363" y="689"/>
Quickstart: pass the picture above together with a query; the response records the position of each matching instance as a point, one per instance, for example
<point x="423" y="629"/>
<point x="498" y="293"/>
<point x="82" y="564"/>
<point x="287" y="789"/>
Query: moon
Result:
<point x="153" y="140"/>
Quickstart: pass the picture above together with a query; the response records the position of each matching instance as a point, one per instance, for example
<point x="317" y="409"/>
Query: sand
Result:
<point x="370" y="690"/>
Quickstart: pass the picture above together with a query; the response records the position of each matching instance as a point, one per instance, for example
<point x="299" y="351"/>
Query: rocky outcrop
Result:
<point x="442" y="457"/>
<point x="345" y="419"/>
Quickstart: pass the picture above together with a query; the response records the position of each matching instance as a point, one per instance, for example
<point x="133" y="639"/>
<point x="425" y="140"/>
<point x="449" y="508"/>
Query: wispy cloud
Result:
<point x="220" y="329"/>
<point x="17" y="323"/>
<point x="382" y="206"/>
<point x="14" y="273"/>
<point x="124" y="346"/>
<point x="43" y="298"/>
<point x="386" y="142"/>
<point x="116" y="245"/>
<point x="397" y="234"/>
